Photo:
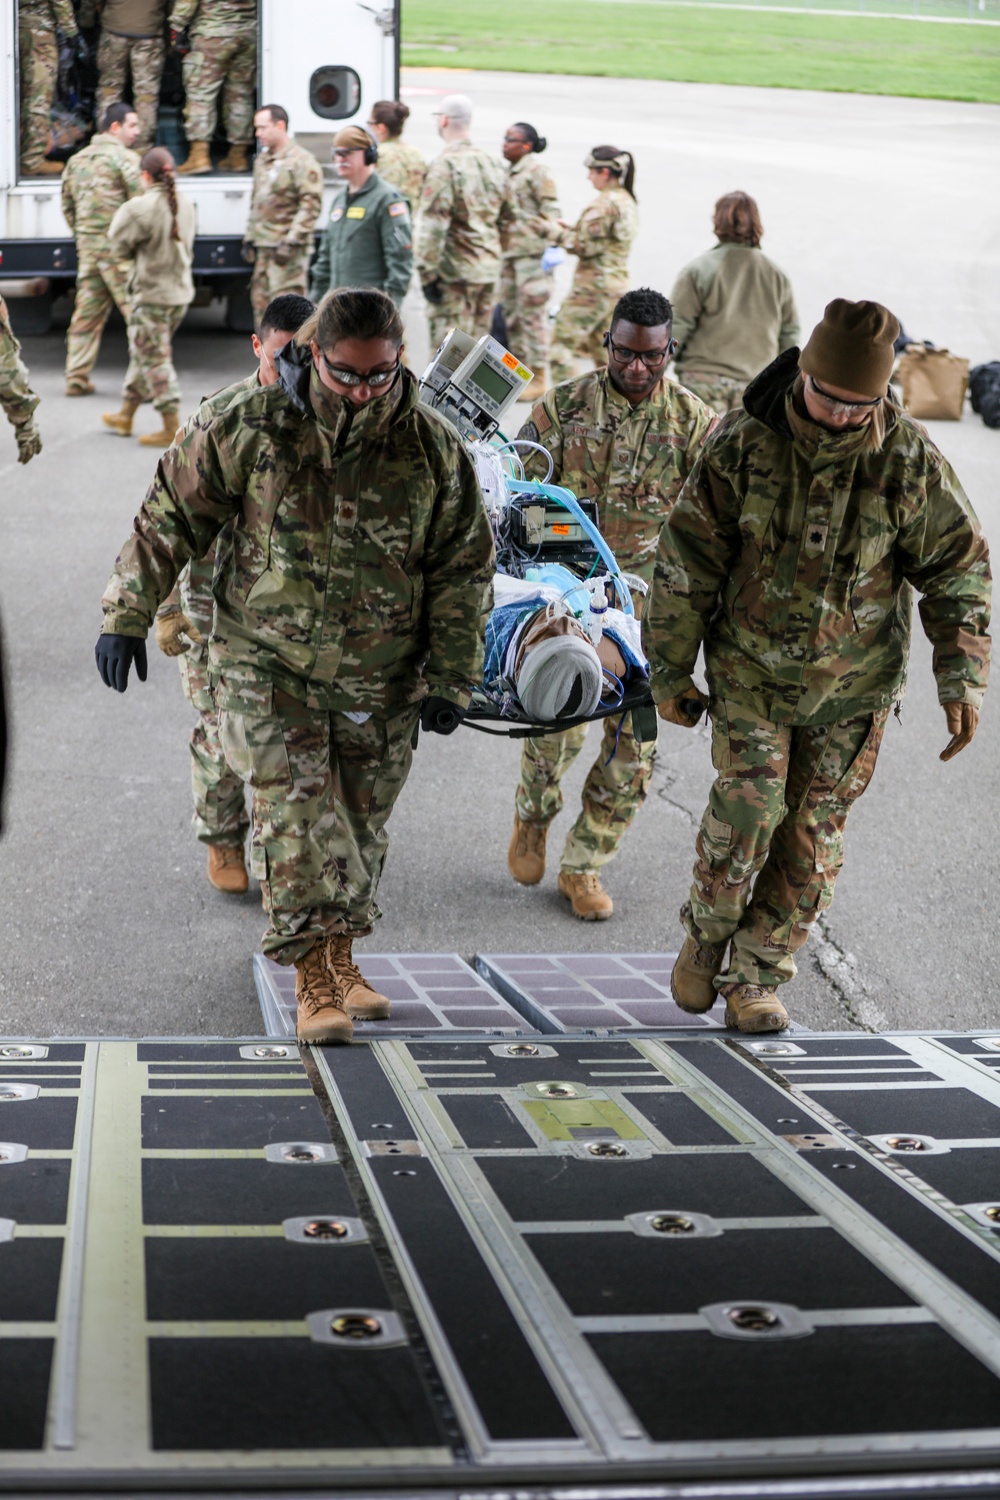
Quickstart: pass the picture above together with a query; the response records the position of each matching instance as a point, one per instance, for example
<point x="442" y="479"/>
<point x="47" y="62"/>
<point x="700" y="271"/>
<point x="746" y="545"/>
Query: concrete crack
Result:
<point x="840" y="970"/>
<point x="668" y="777"/>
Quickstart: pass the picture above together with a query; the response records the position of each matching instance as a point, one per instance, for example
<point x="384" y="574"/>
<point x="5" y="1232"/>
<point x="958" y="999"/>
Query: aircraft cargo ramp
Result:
<point x="540" y="1234"/>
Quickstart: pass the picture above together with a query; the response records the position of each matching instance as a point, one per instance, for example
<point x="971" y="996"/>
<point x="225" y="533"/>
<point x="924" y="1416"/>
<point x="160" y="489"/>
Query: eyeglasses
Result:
<point x="374" y="378"/>
<point x="836" y="407"/>
<point x="514" y="140"/>
<point x="650" y="357"/>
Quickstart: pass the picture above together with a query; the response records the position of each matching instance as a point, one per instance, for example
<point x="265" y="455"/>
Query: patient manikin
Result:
<point x="541" y="660"/>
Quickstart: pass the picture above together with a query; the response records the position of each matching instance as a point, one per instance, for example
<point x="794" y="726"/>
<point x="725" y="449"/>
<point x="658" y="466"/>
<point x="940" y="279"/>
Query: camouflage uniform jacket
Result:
<point x="459" y="233"/>
<point x="47" y="15"/>
<point x="368" y="241"/>
<point x="287" y="195"/>
<point x="790" y="554"/>
<point x="529" y="210"/>
<point x="402" y="166"/>
<point x="96" y="182"/>
<point x="602" y="238"/>
<point x="631" y="459"/>
<point x="362" y="559"/>
<point x="213" y="17"/>
<point x="16" y="396"/>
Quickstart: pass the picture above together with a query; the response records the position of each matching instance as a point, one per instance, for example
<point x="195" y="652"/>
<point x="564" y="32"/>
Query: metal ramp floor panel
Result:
<point x="572" y="992"/>
<point x="430" y="992"/>
<point x="461" y="1266"/>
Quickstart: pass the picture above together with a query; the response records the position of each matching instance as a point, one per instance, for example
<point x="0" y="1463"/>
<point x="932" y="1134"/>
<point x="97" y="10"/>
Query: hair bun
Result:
<point x="541" y="143"/>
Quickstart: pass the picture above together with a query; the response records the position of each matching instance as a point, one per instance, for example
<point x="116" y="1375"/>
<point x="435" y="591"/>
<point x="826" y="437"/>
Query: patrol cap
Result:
<point x="458" y="108"/>
<point x="852" y="348"/>
<point x="353" y="138"/>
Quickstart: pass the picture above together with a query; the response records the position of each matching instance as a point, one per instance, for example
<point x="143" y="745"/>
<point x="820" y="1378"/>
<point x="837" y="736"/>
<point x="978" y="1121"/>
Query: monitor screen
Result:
<point x="491" y="381"/>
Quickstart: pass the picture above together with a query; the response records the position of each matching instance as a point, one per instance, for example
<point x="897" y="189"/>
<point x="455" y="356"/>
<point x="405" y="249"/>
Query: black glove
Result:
<point x="248" y="252"/>
<point x="179" y="40"/>
<point x="440" y="716"/>
<point x="80" y="48"/>
<point x="433" y="290"/>
<point x="115" y="654"/>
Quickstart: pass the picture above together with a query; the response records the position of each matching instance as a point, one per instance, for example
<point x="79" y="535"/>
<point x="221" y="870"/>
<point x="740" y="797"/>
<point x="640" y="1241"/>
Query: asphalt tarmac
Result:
<point x="108" y="924"/>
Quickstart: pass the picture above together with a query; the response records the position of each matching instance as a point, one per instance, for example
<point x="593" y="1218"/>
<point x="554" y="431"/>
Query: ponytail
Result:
<point x="159" y="164"/>
<point x="619" y="163"/>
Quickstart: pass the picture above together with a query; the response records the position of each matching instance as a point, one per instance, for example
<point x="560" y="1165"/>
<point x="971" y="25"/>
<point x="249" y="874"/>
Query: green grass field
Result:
<point x="693" y="44"/>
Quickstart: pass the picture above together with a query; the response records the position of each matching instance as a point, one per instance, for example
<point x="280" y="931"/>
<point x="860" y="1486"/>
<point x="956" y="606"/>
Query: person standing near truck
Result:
<point x="368" y="239"/>
<point x="287" y="197"/>
<point x="218" y="41"/>
<point x="97" y="181"/>
<point x="399" y="164"/>
<point x="458" y="250"/>
<point x="155" y="231"/>
<point x="527" y="218"/>
<point x="132" y="42"/>
<point x="38" y="52"/>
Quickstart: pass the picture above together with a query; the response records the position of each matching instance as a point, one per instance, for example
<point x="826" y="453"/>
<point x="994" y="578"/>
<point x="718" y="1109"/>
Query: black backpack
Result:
<point x="984" y="391"/>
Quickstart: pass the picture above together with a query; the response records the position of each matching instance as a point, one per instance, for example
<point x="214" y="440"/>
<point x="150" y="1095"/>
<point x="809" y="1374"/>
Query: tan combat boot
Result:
<point x="235" y="160"/>
<point x="355" y="993"/>
<point x="526" y="855"/>
<point x="165" y="436"/>
<point x="198" y="159"/>
<point x="586" y="895"/>
<point x="697" y="965"/>
<point x="321" y="1014"/>
<point x="121" y="421"/>
<point x="537" y="387"/>
<point x="227" y="869"/>
<point x="753" y="1007"/>
<point x="80" y="385"/>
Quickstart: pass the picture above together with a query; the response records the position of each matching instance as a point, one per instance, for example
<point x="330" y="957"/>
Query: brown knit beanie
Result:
<point x="851" y="348"/>
<point x="353" y="138"/>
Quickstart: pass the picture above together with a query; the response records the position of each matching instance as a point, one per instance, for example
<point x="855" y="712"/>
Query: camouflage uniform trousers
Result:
<point x="777" y="811"/>
<point x="581" y="323"/>
<point x="143" y="56"/>
<point x="464" y="304"/>
<point x="716" y="391"/>
<point x="323" y="789"/>
<point x="270" y="279"/>
<point x="525" y="290"/>
<point x="613" y="792"/>
<point x="151" y="375"/>
<point x="39" y="57"/>
<point x="100" y="284"/>
<point x="228" y="63"/>
<point x="220" y="813"/>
